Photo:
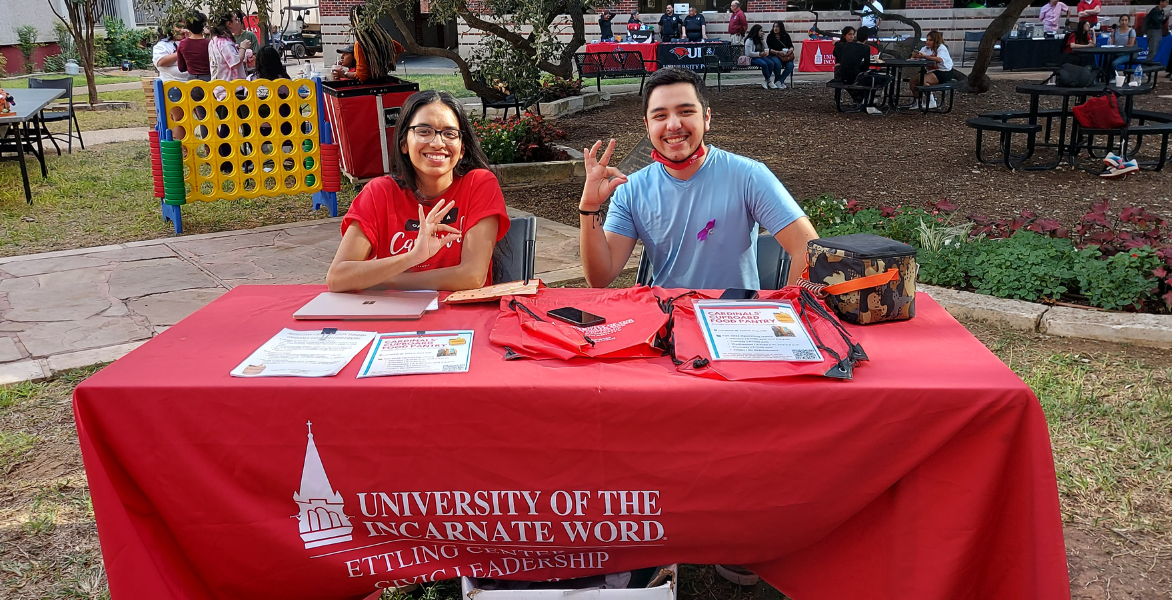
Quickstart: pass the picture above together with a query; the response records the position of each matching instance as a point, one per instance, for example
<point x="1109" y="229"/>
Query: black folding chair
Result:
<point x="59" y="112"/>
<point x="515" y="256"/>
<point x="772" y="264"/>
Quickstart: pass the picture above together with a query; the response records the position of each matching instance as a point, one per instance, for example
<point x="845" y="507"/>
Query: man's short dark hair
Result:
<point x="673" y="75"/>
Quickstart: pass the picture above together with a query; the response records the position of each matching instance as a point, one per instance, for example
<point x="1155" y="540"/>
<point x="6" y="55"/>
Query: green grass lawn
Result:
<point x="105" y="196"/>
<point x="78" y="80"/>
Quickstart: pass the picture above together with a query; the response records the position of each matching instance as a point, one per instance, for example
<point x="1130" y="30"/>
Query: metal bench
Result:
<point x="943" y="89"/>
<point x="1134" y="133"/>
<point x="1049" y="114"/>
<point x="1006" y="131"/>
<point x="724" y="60"/>
<point x="616" y="64"/>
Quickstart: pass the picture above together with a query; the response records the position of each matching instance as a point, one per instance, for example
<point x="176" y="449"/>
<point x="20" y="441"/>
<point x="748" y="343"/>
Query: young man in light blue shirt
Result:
<point x="696" y="209"/>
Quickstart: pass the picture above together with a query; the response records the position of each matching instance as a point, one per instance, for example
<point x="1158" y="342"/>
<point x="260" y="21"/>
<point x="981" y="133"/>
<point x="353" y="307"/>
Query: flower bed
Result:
<point x="1115" y="262"/>
<point x="525" y="140"/>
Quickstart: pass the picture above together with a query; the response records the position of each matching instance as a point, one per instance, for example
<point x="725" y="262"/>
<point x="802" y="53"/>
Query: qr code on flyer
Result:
<point x="804" y="354"/>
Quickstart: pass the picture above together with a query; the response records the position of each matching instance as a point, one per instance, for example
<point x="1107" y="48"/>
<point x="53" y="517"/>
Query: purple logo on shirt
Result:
<point x="703" y="234"/>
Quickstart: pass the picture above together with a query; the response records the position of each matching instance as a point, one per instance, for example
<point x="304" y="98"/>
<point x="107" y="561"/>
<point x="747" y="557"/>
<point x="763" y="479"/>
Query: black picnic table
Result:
<point x="1104" y="55"/>
<point x="894" y="68"/>
<point x="1036" y="91"/>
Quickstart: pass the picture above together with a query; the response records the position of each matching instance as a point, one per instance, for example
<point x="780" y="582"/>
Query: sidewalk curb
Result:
<point x="1137" y="329"/>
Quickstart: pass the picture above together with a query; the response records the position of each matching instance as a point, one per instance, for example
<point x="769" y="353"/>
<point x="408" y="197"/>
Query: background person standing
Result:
<point x="1154" y="28"/>
<point x="695" y="27"/>
<point x="870" y="19"/>
<point x="1051" y="14"/>
<point x="738" y="23"/>
<point x="1088" y="10"/>
<point x="604" y="26"/>
<point x="240" y="34"/>
<point x="670" y="25"/>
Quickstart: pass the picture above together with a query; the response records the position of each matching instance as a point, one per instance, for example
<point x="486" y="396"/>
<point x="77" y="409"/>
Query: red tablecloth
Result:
<point x="928" y="476"/>
<point x="818" y="55"/>
<point x="646" y="50"/>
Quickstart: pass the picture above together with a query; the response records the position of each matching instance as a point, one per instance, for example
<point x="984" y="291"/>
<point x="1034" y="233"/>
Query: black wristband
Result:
<point x="597" y="214"/>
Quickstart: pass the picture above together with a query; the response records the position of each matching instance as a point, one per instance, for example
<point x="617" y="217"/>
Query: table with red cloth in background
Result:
<point x="929" y="476"/>
<point x="818" y="55"/>
<point x="647" y="50"/>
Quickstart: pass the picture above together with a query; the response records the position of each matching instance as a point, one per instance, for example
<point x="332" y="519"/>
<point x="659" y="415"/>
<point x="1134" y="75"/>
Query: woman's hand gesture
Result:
<point x="433" y="235"/>
<point x="601" y="178"/>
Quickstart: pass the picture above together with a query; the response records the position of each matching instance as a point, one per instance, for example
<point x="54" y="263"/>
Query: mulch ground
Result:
<point x="908" y="159"/>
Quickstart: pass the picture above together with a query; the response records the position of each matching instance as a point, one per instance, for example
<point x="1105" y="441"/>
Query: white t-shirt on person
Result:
<point x="172" y="72"/>
<point x="942" y="52"/>
<point x="870" y="18"/>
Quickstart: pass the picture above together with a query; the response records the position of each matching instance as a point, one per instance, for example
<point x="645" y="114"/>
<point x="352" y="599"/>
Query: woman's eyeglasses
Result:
<point x="426" y="133"/>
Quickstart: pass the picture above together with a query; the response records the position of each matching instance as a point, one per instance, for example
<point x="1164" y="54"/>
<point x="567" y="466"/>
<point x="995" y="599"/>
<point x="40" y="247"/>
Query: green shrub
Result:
<point x="26" y="36"/>
<point x="1026" y="266"/>
<point x="124" y="43"/>
<point x="1121" y="281"/>
<point x="53" y="64"/>
<point x="556" y="88"/>
<point x="831" y="217"/>
<point x="952" y="264"/>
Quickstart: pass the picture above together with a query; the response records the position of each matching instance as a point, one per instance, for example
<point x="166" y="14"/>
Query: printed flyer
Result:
<point x="754" y="330"/>
<point x="418" y="352"/>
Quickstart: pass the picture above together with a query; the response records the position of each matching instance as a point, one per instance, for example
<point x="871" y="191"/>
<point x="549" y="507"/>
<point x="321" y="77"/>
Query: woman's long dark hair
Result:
<point x="1083" y="34"/>
<point x="402" y="169"/>
<point x="404" y="172"/>
<point x="220" y="29"/>
<point x="783" y="36"/>
<point x="269" y="65"/>
<point x="755" y="35"/>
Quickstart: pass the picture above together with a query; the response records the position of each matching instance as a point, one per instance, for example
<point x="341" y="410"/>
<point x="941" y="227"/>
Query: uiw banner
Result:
<point x="395" y="537"/>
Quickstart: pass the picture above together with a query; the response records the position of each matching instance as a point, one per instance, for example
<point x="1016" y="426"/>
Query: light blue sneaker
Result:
<point x="1113" y="160"/>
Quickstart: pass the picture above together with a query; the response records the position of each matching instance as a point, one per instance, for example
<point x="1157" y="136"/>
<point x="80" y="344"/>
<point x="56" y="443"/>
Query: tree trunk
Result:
<point x="979" y="82"/>
<point x="81" y="23"/>
<point x="262" y="20"/>
<point x="465" y="70"/>
<point x="91" y="54"/>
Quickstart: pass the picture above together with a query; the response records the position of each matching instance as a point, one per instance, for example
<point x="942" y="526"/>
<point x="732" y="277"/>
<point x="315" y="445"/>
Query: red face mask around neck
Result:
<point x="681" y="165"/>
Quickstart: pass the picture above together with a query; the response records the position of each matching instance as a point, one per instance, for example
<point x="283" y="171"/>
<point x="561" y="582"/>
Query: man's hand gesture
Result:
<point x="601" y="179"/>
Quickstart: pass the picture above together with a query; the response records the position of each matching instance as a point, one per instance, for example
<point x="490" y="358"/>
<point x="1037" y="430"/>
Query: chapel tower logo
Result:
<point x="322" y="521"/>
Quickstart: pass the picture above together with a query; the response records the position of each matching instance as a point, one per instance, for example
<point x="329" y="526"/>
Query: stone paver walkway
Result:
<point x="76" y="308"/>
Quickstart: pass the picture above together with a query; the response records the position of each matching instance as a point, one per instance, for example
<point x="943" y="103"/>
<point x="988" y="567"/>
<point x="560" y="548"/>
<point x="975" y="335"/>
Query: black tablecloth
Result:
<point x="1019" y="54"/>
<point x="691" y="54"/>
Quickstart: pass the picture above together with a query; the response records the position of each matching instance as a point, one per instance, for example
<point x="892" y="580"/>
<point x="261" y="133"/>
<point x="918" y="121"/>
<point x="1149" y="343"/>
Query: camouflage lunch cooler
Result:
<point x="868" y="279"/>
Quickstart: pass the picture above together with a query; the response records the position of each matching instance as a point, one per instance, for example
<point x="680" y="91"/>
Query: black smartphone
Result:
<point x="738" y="294"/>
<point x="575" y="316"/>
<point x="450" y="218"/>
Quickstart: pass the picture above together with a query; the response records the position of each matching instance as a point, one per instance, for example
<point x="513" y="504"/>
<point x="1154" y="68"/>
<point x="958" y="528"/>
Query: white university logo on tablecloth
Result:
<point x="322" y="520"/>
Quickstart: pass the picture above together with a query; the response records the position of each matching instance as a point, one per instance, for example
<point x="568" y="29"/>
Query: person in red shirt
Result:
<point x="433" y="223"/>
<point x="1088" y="10"/>
<point x="738" y="23"/>
<point x="193" y="51"/>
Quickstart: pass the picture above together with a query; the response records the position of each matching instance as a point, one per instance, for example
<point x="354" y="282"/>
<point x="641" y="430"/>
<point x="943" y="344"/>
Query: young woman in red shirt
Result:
<point x="433" y="223"/>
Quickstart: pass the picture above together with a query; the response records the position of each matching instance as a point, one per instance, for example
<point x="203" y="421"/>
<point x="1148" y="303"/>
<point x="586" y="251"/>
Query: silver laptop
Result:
<point x="367" y="305"/>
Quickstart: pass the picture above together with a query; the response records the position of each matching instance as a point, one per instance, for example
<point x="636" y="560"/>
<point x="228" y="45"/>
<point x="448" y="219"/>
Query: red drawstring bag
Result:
<point x="1100" y="112"/>
<point x="839" y="351"/>
<point x="636" y="325"/>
